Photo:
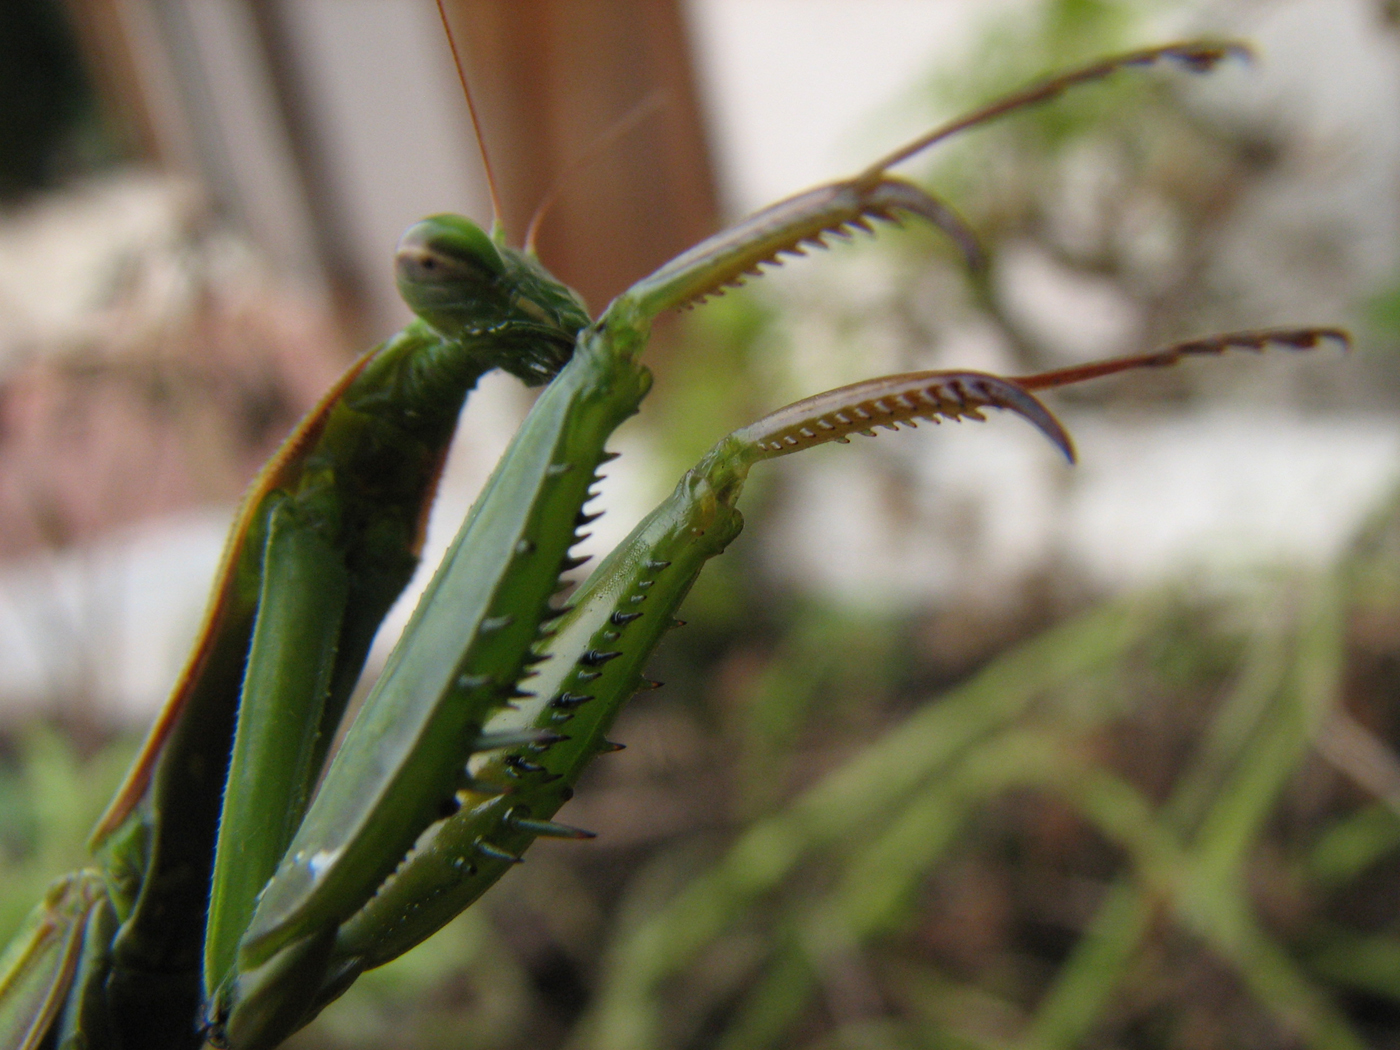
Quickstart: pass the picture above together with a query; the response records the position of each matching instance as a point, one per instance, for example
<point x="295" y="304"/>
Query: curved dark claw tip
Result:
<point x="1004" y="393"/>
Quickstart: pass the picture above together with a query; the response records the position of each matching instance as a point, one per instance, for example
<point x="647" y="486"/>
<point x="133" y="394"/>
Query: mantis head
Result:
<point x="500" y="302"/>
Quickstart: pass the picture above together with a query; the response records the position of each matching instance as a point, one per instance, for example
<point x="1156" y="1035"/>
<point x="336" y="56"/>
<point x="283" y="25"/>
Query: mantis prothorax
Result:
<point x="233" y="906"/>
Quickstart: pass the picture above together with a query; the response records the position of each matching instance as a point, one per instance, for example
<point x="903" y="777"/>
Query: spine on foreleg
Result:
<point x="597" y="654"/>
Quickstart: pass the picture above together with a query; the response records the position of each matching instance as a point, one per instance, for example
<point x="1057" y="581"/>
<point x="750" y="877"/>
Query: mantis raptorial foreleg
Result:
<point x="402" y="760"/>
<point x="423" y="719"/>
<point x="495" y="699"/>
<point x="471" y="849"/>
<point x="592" y="660"/>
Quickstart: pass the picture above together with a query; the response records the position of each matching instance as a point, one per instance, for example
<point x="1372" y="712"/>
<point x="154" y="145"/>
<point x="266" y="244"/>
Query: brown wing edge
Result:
<point x="275" y="473"/>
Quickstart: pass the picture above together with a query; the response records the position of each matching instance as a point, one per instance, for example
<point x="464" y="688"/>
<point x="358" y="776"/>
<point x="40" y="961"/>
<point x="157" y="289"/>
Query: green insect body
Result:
<point x="433" y="697"/>
<point x="495" y="699"/>
<point x="592" y="657"/>
<point x="327" y="540"/>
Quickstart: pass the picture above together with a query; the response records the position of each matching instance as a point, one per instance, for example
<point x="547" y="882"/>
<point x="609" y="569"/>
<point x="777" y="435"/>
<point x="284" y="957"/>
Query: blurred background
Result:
<point x="961" y="747"/>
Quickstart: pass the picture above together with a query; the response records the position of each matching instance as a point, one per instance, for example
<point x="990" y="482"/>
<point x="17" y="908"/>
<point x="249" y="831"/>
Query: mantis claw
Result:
<point x="891" y="400"/>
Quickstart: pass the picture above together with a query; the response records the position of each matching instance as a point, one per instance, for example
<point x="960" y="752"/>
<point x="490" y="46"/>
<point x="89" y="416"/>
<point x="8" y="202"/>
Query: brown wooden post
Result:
<point x="134" y="81"/>
<point x="550" y="77"/>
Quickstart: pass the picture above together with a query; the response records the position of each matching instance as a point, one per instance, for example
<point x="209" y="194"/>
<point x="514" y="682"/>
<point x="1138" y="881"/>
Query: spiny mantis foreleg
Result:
<point x="401" y="764"/>
<point x="436" y="693"/>
<point x="596" y="655"/>
<point x="438" y="881"/>
<point x="532" y="751"/>
<point x="448" y="691"/>
<point x="401" y="761"/>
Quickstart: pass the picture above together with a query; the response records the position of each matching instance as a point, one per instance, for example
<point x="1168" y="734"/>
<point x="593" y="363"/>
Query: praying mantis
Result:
<point x="244" y="875"/>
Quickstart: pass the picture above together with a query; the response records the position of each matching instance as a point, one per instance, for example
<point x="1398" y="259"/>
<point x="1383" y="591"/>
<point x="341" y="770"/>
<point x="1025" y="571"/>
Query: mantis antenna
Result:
<point x="497" y="221"/>
<point x="620" y="127"/>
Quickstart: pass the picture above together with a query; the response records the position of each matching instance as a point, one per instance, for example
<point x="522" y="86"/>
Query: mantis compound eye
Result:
<point x="443" y="254"/>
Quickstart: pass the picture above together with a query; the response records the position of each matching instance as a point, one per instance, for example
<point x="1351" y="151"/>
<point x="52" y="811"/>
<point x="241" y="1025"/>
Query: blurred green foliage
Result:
<point x="50" y="798"/>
